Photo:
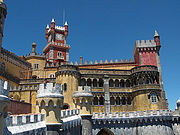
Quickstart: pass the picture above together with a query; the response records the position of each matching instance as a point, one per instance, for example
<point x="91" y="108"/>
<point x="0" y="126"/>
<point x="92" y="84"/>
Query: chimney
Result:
<point x="81" y="60"/>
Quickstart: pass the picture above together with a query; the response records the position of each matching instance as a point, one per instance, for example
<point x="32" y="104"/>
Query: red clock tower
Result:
<point x="56" y="51"/>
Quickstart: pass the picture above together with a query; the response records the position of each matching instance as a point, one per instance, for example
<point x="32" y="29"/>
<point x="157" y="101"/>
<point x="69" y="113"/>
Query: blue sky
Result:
<point x="100" y="30"/>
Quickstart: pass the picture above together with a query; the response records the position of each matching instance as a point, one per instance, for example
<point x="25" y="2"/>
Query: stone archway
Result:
<point x="105" y="131"/>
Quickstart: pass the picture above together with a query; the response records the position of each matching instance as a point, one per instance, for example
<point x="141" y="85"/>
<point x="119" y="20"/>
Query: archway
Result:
<point x="105" y="131"/>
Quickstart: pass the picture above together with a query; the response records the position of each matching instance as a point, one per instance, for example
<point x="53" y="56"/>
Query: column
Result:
<point x="107" y="94"/>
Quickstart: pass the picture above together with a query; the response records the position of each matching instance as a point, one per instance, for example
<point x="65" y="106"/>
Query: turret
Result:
<point x="3" y="13"/>
<point x="49" y="102"/>
<point x="33" y="48"/>
<point x="83" y="100"/>
<point x="157" y="38"/>
<point x="66" y="28"/>
<point x="4" y="101"/>
<point x="147" y="53"/>
<point x="52" y="24"/>
<point x="68" y="76"/>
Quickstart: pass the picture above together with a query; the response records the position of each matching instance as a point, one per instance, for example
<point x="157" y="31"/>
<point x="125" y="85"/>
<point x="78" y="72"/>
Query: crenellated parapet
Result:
<point x="68" y="69"/>
<point x="30" y="123"/>
<point x="106" y="62"/>
<point x="136" y="114"/>
<point x="71" y="119"/>
<point x="49" y="91"/>
<point x="83" y="91"/>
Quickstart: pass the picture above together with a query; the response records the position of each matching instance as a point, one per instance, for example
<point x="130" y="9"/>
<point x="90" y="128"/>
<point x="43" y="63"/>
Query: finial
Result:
<point x="66" y="24"/>
<point x="47" y="27"/>
<point x="156" y="34"/>
<point x="53" y="20"/>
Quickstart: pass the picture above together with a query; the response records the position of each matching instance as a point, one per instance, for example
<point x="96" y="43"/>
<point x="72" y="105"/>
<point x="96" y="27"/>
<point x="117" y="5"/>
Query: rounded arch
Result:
<point x="95" y="101"/>
<point x="43" y="103"/>
<point x="101" y="100"/>
<point x="105" y="131"/>
<point x="88" y="82"/>
<point x="101" y="82"/>
<point x="111" y="83"/>
<point x="116" y="83"/>
<point x="122" y="83"/>
<point x="94" y="82"/>
<point x="83" y="82"/>
<point x="128" y="83"/>
<point x="50" y="103"/>
<point x="112" y="101"/>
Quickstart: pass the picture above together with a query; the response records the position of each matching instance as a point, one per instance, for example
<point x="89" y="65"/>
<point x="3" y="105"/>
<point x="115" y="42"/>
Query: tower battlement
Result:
<point x="83" y="91"/>
<point x="4" y="90"/>
<point x="145" y="43"/>
<point x="48" y="90"/>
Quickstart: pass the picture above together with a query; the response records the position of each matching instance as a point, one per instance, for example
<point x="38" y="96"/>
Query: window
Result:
<point x="52" y="76"/>
<point x="3" y="66"/>
<point x="36" y="66"/>
<point x="65" y="86"/>
<point x="60" y="55"/>
<point x="153" y="98"/>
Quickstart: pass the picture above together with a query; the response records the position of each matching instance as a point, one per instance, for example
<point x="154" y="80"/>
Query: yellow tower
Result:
<point x="4" y="101"/>
<point x="49" y="102"/>
<point x="68" y="76"/>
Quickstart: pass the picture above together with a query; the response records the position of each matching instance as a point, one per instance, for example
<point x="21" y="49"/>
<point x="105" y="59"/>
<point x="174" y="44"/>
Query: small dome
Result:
<point x="178" y="102"/>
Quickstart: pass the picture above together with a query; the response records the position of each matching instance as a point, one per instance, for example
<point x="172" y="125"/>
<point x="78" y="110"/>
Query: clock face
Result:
<point x="59" y="37"/>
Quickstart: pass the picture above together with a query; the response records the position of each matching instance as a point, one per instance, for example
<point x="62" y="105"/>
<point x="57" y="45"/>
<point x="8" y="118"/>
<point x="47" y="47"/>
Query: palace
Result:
<point x="47" y="94"/>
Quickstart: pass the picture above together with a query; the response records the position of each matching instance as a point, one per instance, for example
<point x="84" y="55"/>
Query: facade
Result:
<point x="111" y="97"/>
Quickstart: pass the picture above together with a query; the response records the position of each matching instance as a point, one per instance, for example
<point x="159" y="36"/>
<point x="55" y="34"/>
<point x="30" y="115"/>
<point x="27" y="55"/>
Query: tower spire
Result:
<point x="156" y="34"/>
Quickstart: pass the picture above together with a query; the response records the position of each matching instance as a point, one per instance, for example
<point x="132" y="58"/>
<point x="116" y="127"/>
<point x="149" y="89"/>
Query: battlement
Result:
<point x="68" y="113"/>
<point x="83" y="91"/>
<point x="137" y="114"/>
<point x="116" y="61"/>
<point x="31" y="123"/>
<point x="60" y="28"/>
<point x="71" y="119"/>
<point x="48" y="90"/>
<point x="4" y="90"/>
<point x="145" y="43"/>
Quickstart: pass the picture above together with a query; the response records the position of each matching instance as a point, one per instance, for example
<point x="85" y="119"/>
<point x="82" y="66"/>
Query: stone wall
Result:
<point x="26" y="124"/>
<point x="160" y="122"/>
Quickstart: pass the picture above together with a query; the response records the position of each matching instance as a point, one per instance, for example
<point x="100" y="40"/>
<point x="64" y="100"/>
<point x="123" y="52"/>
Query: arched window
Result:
<point x="95" y="101"/>
<point x="127" y="83"/>
<point x="122" y="83"/>
<point x="88" y="82"/>
<point x="101" y="100"/>
<point x="52" y="76"/>
<point x="153" y="98"/>
<point x="94" y="82"/>
<point x="101" y="82"/>
<point x="116" y="83"/>
<point x="3" y="66"/>
<point x="118" y="101"/>
<point x="65" y="87"/>
<point x="83" y="82"/>
<point x="111" y="83"/>
<point x="123" y="101"/>
<point x="128" y="101"/>
<point x="112" y="101"/>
